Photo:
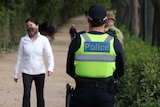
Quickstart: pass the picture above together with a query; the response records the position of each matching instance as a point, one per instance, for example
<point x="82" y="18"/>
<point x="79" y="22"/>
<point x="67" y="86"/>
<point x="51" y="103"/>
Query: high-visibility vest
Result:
<point x="96" y="56"/>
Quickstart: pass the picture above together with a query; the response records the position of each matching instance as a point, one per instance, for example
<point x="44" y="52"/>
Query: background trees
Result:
<point x="13" y="14"/>
<point x="140" y="17"/>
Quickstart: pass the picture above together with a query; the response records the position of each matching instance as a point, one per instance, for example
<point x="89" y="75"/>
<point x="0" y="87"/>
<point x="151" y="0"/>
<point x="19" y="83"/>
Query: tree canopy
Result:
<point x="13" y="14"/>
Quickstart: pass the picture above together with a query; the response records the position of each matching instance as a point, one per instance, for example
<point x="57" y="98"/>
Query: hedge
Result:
<point x="140" y="86"/>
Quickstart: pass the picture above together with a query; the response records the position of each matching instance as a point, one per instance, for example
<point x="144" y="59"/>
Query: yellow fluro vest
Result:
<point x="96" y="56"/>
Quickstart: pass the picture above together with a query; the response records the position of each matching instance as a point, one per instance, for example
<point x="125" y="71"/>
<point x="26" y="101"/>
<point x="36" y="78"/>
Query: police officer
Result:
<point x="110" y="27"/>
<point x="94" y="59"/>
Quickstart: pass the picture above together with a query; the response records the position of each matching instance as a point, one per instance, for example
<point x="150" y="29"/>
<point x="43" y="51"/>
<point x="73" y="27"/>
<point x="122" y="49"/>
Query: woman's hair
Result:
<point x="45" y="28"/>
<point x="34" y="20"/>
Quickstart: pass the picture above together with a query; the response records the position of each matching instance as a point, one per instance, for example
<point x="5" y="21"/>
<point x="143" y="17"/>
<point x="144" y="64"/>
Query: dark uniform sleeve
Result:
<point x="73" y="47"/>
<point x="120" y="63"/>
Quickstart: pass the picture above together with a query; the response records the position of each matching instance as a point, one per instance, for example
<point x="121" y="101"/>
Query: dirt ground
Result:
<point x="55" y="86"/>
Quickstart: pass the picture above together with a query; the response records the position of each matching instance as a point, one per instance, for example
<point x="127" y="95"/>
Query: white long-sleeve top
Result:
<point x="31" y="56"/>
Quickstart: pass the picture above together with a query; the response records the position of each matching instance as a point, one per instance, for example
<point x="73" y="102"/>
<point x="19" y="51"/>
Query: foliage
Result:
<point x="139" y="87"/>
<point x="13" y="14"/>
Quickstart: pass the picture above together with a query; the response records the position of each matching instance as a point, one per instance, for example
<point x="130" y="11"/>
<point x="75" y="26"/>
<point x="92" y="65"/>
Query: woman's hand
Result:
<point x="15" y="80"/>
<point x="49" y="73"/>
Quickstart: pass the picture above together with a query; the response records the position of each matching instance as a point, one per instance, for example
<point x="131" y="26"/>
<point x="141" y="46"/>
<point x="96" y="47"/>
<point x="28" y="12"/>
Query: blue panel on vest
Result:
<point x="97" y="47"/>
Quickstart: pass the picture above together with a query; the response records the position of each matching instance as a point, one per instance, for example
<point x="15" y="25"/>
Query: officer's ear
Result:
<point x="106" y="22"/>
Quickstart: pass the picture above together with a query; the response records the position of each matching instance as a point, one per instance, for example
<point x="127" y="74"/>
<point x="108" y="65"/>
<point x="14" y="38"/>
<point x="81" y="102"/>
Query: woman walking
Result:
<point x="30" y="54"/>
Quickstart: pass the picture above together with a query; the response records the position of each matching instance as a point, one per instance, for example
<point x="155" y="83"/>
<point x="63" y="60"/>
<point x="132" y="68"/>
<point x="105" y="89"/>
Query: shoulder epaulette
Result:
<point x="112" y="32"/>
<point x="81" y="32"/>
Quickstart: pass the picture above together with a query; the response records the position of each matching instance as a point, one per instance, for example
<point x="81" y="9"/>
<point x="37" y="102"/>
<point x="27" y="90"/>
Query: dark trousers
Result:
<point x="39" y="84"/>
<point x="92" y="97"/>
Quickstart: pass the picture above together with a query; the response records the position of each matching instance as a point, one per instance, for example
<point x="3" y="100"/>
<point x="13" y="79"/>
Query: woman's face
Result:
<point x="32" y="28"/>
<point x="110" y="22"/>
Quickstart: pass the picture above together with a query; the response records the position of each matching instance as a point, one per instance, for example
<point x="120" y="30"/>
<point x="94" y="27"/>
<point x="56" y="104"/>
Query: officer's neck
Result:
<point x="98" y="29"/>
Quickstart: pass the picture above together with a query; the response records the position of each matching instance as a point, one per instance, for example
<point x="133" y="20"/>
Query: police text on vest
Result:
<point x="96" y="46"/>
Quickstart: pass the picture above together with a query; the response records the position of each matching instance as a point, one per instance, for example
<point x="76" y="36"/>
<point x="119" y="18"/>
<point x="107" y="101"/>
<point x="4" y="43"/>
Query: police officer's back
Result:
<point x="94" y="59"/>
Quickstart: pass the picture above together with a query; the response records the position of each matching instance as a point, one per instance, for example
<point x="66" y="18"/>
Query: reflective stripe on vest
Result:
<point x="89" y="40"/>
<point x="99" y="58"/>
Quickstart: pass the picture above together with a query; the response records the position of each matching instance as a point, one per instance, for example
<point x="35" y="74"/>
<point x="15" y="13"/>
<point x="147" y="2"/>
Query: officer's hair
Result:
<point x="97" y="23"/>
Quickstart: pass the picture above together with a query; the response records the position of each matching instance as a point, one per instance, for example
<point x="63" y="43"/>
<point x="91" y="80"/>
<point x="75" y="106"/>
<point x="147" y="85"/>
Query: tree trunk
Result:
<point x="131" y="16"/>
<point x="136" y="18"/>
<point x="156" y="23"/>
<point x="126" y="13"/>
<point x="150" y="17"/>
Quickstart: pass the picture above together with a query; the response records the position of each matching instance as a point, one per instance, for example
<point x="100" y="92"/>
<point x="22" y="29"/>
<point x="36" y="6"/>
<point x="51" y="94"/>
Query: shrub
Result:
<point x="139" y="87"/>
